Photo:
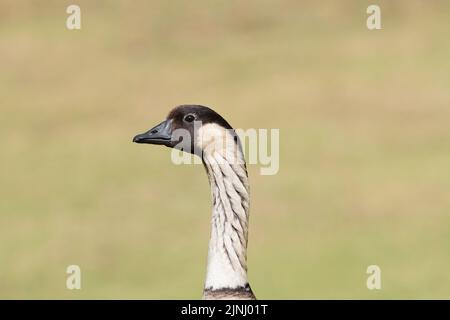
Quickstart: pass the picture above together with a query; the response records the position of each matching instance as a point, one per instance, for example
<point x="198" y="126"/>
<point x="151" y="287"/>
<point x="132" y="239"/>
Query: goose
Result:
<point x="201" y="131"/>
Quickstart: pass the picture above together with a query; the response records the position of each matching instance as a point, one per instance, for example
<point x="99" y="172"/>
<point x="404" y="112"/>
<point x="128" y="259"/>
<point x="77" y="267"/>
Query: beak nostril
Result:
<point x="159" y="134"/>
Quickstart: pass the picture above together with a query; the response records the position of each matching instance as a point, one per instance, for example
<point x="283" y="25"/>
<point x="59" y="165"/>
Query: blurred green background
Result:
<point x="364" y="120"/>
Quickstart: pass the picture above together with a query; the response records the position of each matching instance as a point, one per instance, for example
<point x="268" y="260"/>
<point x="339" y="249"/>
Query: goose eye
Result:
<point x="189" y="118"/>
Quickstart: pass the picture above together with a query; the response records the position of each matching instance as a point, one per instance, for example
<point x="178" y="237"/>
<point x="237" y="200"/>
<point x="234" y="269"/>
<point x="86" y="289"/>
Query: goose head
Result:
<point x="192" y="128"/>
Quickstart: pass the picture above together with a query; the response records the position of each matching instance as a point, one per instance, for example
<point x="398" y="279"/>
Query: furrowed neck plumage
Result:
<point x="226" y="275"/>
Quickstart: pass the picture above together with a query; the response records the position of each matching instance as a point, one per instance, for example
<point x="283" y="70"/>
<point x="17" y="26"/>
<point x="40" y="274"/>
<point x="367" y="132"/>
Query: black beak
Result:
<point x="160" y="134"/>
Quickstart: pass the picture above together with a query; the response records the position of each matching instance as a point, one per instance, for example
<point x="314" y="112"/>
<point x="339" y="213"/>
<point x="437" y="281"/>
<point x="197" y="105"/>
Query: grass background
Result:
<point x="364" y="120"/>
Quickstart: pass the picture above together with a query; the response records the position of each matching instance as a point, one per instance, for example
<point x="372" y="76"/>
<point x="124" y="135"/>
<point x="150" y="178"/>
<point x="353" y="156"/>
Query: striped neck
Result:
<point x="227" y="255"/>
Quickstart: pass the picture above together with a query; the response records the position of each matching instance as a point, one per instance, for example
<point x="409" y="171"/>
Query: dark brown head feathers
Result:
<point x="200" y="113"/>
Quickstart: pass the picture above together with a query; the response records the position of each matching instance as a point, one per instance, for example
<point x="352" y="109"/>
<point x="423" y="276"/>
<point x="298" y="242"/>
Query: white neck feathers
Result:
<point x="225" y="165"/>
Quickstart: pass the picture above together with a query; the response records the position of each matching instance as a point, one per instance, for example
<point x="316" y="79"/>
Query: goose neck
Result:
<point x="227" y="254"/>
